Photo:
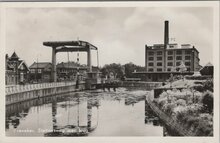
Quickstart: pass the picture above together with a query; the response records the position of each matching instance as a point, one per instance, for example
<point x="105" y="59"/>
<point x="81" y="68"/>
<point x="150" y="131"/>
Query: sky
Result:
<point x="119" y="33"/>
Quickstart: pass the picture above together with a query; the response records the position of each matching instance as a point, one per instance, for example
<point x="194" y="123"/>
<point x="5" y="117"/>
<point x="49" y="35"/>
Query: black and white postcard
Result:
<point x="110" y="72"/>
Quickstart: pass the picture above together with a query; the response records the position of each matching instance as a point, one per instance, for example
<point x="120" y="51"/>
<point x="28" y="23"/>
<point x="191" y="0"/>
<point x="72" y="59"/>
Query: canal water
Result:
<point x="120" y="113"/>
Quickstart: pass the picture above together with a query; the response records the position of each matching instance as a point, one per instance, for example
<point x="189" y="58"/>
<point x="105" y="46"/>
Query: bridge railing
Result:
<point x="29" y="87"/>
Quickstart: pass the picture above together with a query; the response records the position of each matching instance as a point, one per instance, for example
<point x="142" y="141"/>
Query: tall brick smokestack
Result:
<point x="166" y="34"/>
<point x="166" y="42"/>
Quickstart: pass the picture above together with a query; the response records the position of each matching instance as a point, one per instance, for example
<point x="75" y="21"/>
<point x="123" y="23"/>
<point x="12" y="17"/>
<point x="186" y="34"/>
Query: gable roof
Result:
<point x="23" y="62"/>
<point x="16" y="64"/>
<point x="14" y="56"/>
<point x="13" y="64"/>
<point x="208" y="65"/>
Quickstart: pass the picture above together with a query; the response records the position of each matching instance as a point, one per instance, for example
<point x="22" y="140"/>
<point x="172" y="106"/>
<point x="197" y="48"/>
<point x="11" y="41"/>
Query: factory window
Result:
<point x="159" y="52"/>
<point x="151" y="53"/>
<point x="170" y="64"/>
<point x="188" y="51"/>
<point x="159" y="69"/>
<point x="150" y="64"/>
<point x="168" y="69"/>
<point x="179" y="58"/>
<point x="178" y="52"/>
<point x="159" y="58"/>
<point x="170" y="58"/>
<point x="151" y="58"/>
<point x="159" y="64"/>
<point x="177" y="63"/>
<point x="150" y="70"/>
<point x="187" y="57"/>
<point x="187" y="63"/>
<point x="170" y="52"/>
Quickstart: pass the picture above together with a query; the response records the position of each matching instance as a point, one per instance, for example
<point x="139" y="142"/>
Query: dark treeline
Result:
<point x="121" y="71"/>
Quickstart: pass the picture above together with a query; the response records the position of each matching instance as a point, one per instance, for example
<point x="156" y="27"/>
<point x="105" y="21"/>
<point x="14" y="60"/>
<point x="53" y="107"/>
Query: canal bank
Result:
<point x="189" y="104"/>
<point x="172" y="125"/>
<point x="122" y="119"/>
<point x="141" y="84"/>
<point x="20" y="93"/>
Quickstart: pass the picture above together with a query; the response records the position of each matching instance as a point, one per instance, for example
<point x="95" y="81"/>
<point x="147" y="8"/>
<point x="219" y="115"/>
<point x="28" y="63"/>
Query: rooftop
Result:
<point x="40" y="65"/>
<point x="161" y="72"/>
<point x="172" y="46"/>
<point x="70" y="65"/>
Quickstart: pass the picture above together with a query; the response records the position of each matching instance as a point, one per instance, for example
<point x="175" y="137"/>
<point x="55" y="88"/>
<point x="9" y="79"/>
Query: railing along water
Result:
<point x="20" y="93"/>
<point x="23" y="88"/>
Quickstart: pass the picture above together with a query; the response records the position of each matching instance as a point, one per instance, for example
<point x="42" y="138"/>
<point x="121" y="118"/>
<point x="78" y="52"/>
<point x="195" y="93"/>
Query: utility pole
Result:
<point x="16" y="72"/>
<point x="37" y="69"/>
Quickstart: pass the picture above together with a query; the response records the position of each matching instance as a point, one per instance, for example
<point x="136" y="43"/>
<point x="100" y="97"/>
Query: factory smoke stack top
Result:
<point x="166" y="34"/>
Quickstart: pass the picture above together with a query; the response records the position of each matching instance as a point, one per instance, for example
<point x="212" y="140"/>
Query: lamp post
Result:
<point x="37" y="75"/>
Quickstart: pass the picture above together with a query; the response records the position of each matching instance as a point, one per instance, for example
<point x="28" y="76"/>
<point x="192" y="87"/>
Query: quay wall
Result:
<point x="170" y="122"/>
<point x="20" y="93"/>
<point x="140" y="84"/>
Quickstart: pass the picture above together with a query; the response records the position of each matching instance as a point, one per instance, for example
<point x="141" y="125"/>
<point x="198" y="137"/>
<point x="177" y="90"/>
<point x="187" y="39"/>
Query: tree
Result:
<point x="130" y="68"/>
<point x="173" y="69"/>
<point x="208" y="102"/>
<point x="121" y="70"/>
<point x="208" y="85"/>
<point x="114" y="68"/>
<point x="182" y="68"/>
<point x="171" y="79"/>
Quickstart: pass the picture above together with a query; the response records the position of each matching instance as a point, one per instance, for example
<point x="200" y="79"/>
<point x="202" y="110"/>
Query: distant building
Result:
<point x="16" y="70"/>
<point x="68" y="70"/>
<point x="163" y="59"/>
<point x="40" y="72"/>
<point x="207" y="70"/>
<point x="159" y="59"/>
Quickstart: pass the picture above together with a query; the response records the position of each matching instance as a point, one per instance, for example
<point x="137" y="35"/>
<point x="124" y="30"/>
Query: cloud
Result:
<point x="119" y="33"/>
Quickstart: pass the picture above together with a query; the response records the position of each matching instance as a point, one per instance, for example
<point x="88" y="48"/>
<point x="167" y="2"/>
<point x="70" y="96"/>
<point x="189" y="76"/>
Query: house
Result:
<point x="16" y="70"/>
<point x="40" y="72"/>
<point x="68" y="70"/>
<point x="207" y="70"/>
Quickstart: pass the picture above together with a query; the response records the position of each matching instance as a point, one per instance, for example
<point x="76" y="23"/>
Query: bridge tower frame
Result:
<point x="69" y="46"/>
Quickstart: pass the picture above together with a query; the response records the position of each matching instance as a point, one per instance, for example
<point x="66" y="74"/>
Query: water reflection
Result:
<point x="96" y="113"/>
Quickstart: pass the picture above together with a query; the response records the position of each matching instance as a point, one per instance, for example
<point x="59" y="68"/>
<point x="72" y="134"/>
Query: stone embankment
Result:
<point x="19" y="93"/>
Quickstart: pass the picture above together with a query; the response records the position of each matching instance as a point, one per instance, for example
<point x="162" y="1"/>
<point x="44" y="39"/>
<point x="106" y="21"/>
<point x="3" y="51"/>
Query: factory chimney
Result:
<point x="166" y="42"/>
<point x="166" y="34"/>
